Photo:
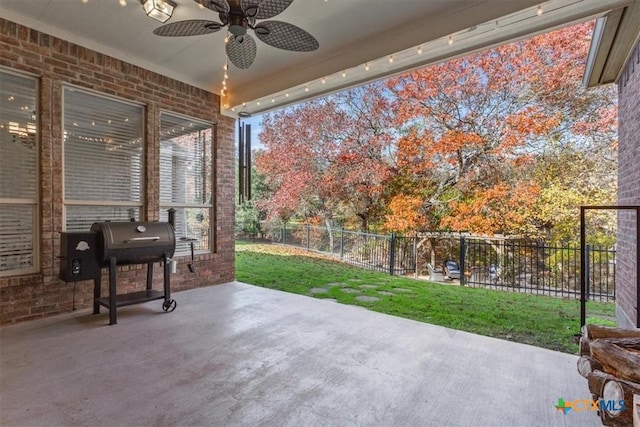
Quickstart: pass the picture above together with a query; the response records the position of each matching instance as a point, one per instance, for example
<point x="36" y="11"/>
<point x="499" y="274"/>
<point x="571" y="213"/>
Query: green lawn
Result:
<point x="532" y="319"/>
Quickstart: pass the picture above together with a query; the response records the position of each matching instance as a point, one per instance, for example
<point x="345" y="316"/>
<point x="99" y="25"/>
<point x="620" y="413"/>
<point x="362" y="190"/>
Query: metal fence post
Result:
<point x="463" y="245"/>
<point x="308" y="245"/>
<point x="415" y="254"/>
<point x="587" y="271"/>
<point x="583" y="294"/>
<point x="341" y="242"/>
<point x="392" y="253"/>
<point x="284" y="233"/>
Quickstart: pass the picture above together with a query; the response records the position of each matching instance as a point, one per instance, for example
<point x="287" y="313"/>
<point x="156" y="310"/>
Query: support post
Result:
<point x="112" y="291"/>
<point x="392" y="253"/>
<point x="463" y="250"/>
<point x="415" y="254"/>
<point x="587" y="271"/>
<point x="150" y="276"/>
<point x="583" y="277"/>
<point x="638" y="268"/>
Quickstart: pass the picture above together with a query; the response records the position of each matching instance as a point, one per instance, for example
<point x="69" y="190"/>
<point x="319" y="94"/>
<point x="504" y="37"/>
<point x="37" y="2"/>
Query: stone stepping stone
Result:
<point x="369" y="286"/>
<point x="365" y="298"/>
<point x="338" y="284"/>
<point x="318" y="290"/>
<point x="351" y="291"/>
<point x="401" y="290"/>
<point x="387" y="293"/>
<point x="355" y="280"/>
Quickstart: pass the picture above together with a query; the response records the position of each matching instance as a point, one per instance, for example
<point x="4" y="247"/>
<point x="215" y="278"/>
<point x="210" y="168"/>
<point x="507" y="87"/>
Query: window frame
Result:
<point x="34" y="202"/>
<point x="212" y="184"/>
<point x="66" y="202"/>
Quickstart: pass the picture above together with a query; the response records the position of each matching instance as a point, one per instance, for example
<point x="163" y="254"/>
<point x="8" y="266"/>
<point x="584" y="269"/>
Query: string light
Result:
<point x="225" y="76"/>
<point x="123" y="3"/>
<point x="417" y="50"/>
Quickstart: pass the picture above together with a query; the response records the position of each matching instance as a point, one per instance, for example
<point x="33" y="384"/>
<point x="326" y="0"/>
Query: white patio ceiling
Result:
<point x="357" y="38"/>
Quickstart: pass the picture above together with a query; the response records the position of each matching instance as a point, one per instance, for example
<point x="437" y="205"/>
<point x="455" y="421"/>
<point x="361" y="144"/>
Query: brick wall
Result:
<point x="628" y="189"/>
<point x="55" y="62"/>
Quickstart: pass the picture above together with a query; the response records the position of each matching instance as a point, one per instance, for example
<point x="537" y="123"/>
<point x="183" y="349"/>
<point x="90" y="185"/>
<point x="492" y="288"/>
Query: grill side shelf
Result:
<point x="133" y="298"/>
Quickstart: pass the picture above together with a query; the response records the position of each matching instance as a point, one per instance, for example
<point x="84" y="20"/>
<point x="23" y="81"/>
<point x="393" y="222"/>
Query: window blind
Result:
<point x="18" y="174"/>
<point x="103" y="159"/>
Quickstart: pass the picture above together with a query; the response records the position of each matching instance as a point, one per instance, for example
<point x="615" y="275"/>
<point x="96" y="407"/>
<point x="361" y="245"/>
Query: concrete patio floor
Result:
<point x="240" y="355"/>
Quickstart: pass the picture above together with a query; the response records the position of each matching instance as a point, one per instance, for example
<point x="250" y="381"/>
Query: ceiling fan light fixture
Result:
<point x="160" y="10"/>
<point x="237" y="26"/>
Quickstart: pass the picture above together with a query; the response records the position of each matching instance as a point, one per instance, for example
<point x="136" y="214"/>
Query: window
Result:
<point x="186" y="178"/>
<point x="103" y="159"/>
<point x="18" y="175"/>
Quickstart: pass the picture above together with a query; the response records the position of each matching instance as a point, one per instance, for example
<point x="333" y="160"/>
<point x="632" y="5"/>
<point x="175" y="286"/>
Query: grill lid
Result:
<point x="134" y="242"/>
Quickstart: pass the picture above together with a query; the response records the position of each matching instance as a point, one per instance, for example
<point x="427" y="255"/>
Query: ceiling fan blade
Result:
<point x="264" y="9"/>
<point x="241" y="51"/>
<point x="220" y="6"/>
<point x="286" y="36"/>
<point x="193" y="27"/>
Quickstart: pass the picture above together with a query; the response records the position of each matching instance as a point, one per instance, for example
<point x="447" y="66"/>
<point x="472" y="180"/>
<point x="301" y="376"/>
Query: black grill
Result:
<point x="134" y="242"/>
<point x="125" y="243"/>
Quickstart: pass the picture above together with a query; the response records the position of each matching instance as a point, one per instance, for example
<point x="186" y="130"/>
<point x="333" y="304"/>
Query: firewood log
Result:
<point x="616" y="359"/>
<point x="584" y="346"/>
<point x="596" y="331"/>
<point x="587" y="364"/>
<point x="596" y="380"/>
<point x="615" y="395"/>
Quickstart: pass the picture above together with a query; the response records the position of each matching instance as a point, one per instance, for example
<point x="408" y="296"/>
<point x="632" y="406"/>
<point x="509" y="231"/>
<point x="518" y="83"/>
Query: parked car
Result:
<point x="451" y="270"/>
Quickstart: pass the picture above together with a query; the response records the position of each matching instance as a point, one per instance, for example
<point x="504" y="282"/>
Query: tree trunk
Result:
<point x="327" y="222"/>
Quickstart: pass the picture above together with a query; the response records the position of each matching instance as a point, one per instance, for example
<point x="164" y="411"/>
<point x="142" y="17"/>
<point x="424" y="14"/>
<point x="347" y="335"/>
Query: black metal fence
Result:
<point x="388" y="253"/>
<point x="494" y="263"/>
<point x="537" y="268"/>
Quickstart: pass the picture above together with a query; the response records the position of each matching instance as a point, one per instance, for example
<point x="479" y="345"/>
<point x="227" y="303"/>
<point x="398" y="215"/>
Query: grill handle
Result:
<point x="138" y="239"/>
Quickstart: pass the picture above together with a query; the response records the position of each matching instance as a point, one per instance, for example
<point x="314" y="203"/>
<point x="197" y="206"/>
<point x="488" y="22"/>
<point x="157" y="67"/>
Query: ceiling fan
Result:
<point x="240" y="15"/>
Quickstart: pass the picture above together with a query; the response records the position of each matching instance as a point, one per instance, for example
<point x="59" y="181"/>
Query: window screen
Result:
<point x="18" y="175"/>
<point x="186" y="177"/>
<point x="103" y="159"/>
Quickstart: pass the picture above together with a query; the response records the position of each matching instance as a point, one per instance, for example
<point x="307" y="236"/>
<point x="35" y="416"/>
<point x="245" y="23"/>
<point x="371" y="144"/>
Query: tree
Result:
<point x="472" y="129"/>
<point x="328" y="156"/>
